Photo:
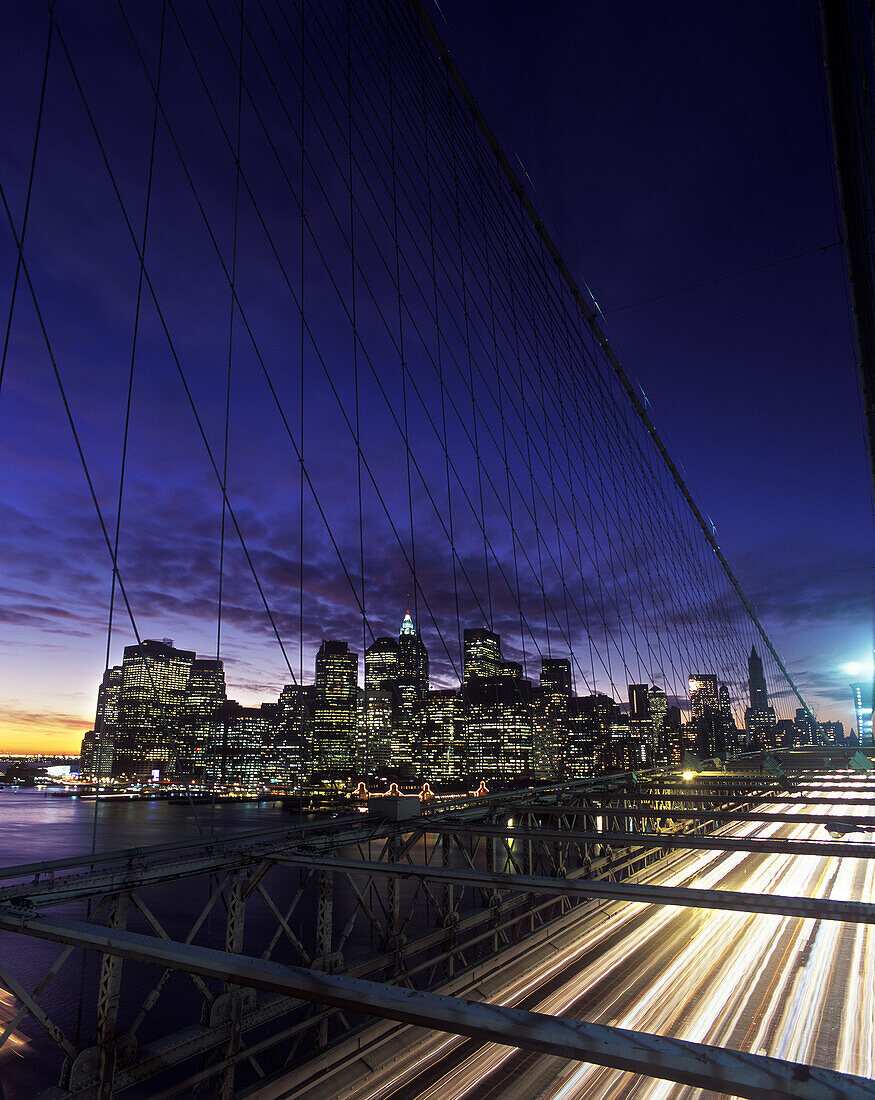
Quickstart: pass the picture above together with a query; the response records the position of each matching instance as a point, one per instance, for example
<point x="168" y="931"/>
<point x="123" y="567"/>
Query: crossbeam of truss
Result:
<point x="697" y="1064"/>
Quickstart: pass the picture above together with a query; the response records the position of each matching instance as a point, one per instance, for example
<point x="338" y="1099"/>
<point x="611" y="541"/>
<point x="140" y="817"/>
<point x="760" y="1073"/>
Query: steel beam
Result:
<point x="760" y="794"/>
<point x="708" y="1067"/>
<point x="752" y="796"/>
<point x="700" y="815"/>
<point x="768" y="845"/>
<point x="857" y="912"/>
<point x="108" y="996"/>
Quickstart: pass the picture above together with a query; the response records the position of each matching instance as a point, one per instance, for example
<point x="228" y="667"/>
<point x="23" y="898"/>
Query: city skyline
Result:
<point x="535" y="665"/>
<point x="166" y="713"/>
<point x="737" y="399"/>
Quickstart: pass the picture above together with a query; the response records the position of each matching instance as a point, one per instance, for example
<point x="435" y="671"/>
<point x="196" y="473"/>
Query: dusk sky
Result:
<point x="667" y="145"/>
<point x="671" y="145"/>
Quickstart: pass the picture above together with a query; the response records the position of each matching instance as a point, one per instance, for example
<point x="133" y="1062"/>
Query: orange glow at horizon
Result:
<point x="47" y="732"/>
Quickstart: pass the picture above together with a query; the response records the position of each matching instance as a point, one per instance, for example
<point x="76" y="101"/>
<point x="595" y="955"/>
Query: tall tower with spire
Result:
<point x="759" y="717"/>
<point x="759" y="696"/>
<point x="412" y="658"/>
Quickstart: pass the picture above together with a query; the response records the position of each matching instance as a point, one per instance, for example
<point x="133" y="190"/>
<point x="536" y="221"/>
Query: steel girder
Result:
<point x="748" y="1075"/>
<point x="768" y="845"/>
<point x="682" y="814"/>
<point x="774" y="904"/>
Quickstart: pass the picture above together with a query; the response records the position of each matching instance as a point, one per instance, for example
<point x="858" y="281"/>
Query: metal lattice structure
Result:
<point x="407" y="920"/>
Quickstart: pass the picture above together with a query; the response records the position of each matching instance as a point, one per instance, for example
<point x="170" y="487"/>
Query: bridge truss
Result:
<point x="279" y="945"/>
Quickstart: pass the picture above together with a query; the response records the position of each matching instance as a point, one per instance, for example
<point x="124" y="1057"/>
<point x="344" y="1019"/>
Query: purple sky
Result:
<point x="668" y="145"/>
<point x="671" y="145"/>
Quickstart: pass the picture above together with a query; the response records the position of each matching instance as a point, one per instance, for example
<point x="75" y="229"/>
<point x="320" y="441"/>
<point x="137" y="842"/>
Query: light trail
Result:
<point x="17" y="1042"/>
<point x="759" y="983"/>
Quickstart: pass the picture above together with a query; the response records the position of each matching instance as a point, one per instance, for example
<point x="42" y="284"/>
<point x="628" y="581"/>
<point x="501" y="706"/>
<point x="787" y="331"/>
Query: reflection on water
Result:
<point x="17" y="1042"/>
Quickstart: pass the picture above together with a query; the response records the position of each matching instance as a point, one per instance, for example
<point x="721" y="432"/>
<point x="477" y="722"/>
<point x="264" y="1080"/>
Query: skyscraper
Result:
<point x="297" y="704"/>
<point x="98" y="750"/>
<point x="498" y="728"/>
<point x="658" y="703"/>
<point x="556" y="675"/>
<point x="639" y="706"/>
<point x="376" y="730"/>
<point x="377" y="707"/>
<point x="641" y="727"/>
<point x="204" y="694"/>
<point x="382" y="664"/>
<point x="550" y="710"/>
<point x="440" y="729"/>
<point x="155" y="676"/>
<point x="482" y="653"/>
<point x="863" y="706"/>
<point x="239" y="739"/>
<point x="705" y="714"/>
<point x="412" y="657"/>
<point x="730" y="732"/>
<point x="334" y="717"/>
<point x="412" y="688"/>
<point x="806" y="728"/>
<point x="281" y="759"/>
<point x="589" y="734"/>
<point x="759" y="717"/>
<point x="759" y="697"/>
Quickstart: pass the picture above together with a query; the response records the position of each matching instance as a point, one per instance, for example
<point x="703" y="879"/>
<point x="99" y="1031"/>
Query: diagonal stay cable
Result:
<point x="29" y="192"/>
<point x="171" y="345"/>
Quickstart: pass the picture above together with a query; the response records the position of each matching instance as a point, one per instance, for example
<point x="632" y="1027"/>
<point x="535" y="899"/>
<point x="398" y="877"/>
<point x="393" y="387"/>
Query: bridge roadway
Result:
<point x="792" y="988"/>
<point x="674" y="953"/>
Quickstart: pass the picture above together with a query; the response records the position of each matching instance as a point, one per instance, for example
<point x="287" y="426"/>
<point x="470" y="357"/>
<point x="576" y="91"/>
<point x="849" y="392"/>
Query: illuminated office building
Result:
<point x="862" y="693"/>
<point x="204" y="694"/>
<point x="239" y="738"/>
<point x="627" y="746"/>
<point x="297" y="704"/>
<point x="412" y="658"/>
<point x="806" y="728"/>
<point x="556" y="676"/>
<point x="705" y="719"/>
<point x="281" y="758"/>
<point x="641" y="727"/>
<point x="639" y="704"/>
<point x="498" y="728"/>
<point x="151" y="702"/>
<point x="98" y="746"/>
<point x="382" y="665"/>
<point x="730" y="731"/>
<point x="440" y="734"/>
<point x="376" y="731"/>
<point x="658" y="705"/>
<point x="759" y="696"/>
<point x="481" y="655"/>
<point x="512" y="669"/>
<point x="335" y="712"/>
<point x="589" y="734"/>
<point x="550" y="714"/>
<point x="759" y="718"/>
